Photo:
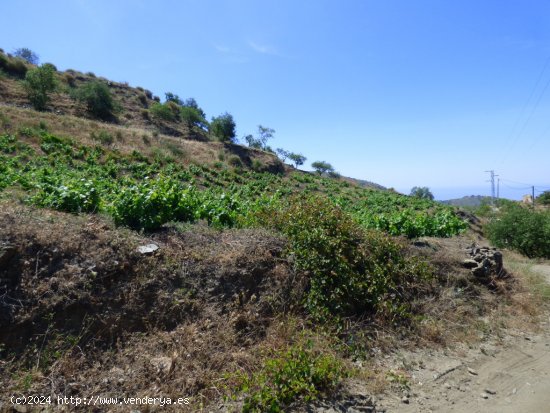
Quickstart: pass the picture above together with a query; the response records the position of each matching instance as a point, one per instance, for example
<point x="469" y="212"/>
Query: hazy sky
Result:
<point x="403" y="93"/>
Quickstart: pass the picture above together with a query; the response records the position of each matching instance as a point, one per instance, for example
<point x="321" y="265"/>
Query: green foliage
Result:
<point x="97" y="98"/>
<point x="322" y="167"/>
<point x="422" y="192"/>
<point x="151" y="203"/>
<point x="102" y="136"/>
<point x="299" y="373"/>
<point x="70" y="195"/>
<point x="260" y="142"/>
<point x="162" y="111"/>
<point x="171" y="97"/>
<point x="192" y="116"/>
<point x="351" y="271"/>
<point x="223" y="127"/>
<point x="544" y="198"/>
<point x="297" y="158"/>
<point x="235" y="161"/>
<point x="13" y="66"/>
<point x="38" y="84"/>
<point x="522" y="229"/>
<point x="27" y="55"/>
<point x="282" y="153"/>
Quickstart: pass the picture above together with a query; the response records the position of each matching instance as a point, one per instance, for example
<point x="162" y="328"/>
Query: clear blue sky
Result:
<point x="402" y="93"/>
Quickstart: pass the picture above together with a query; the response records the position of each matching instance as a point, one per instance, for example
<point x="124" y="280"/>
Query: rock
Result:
<point x="147" y="249"/>
<point x="490" y="391"/>
<point x="405" y="400"/>
<point x="469" y="263"/>
<point x="484" y="395"/>
<point x="472" y="371"/>
<point x="479" y="271"/>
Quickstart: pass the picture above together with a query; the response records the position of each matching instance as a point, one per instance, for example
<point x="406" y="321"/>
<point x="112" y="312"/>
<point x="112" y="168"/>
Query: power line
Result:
<point x="509" y="147"/>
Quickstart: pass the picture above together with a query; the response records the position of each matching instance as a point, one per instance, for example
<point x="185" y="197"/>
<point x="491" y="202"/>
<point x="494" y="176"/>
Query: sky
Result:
<point x="398" y="92"/>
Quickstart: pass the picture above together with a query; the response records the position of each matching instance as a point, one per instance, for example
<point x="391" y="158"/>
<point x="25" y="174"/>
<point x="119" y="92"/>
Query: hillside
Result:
<point x="469" y="201"/>
<point x="141" y="257"/>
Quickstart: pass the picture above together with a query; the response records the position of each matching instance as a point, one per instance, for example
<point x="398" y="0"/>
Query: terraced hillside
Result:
<point x="141" y="258"/>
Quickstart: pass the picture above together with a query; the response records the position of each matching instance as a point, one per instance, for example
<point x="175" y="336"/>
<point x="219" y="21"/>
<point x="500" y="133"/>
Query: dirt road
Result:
<point x="513" y="377"/>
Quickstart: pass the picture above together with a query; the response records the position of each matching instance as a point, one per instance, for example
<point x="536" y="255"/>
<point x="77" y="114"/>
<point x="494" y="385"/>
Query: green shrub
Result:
<point x="223" y="128"/>
<point x="102" y="136"/>
<point x="351" y="271"/>
<point x="162" y="111"/>
<point x="299" y="373"/>
<point x="522" y="229"/>
<point x="38" y="84"/>
<point x="14" y="67"/>
<point x="544" y="198"/>
<point x="151" y="203"/>
<point x="192" y="117"/>
<point x="235" y="161"/>
<point x="70" y="195"/>
<point x="97" y="98"/>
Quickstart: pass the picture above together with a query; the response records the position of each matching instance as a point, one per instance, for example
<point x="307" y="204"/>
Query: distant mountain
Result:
<point x="469" y="201"/>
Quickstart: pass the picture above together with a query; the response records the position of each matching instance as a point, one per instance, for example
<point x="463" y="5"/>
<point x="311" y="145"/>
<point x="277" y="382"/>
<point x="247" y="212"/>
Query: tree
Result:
<point x="264" y="134"/>
<point x="193" y="117"/>
<point x="223" y="127"/>
<point x="297" y="158"/>
<point x="322" y="167"/>
<point x="544" y="198"/>
<point x="38" y="84"/>
<point x="283" y="154"/>
<point x="192" y="103"/>
<point x="27" y="55"/>
<point x="97" y="97"/>
<point x="422" y="192"/>
<point x="171" y="97"/>
<point x="260" y="142"/>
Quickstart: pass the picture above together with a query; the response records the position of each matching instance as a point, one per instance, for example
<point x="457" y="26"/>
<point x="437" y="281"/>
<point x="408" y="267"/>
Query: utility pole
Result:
<point x="498" y="188"/>
<point x="492" y="172"/>
<point x="533" y="195"/>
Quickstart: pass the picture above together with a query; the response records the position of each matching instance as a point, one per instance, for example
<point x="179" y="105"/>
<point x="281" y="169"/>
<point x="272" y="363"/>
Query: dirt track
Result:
<point x="513" y="377"/>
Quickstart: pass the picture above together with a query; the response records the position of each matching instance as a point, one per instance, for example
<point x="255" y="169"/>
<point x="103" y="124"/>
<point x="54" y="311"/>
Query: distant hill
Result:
<point x="468" y="201"/>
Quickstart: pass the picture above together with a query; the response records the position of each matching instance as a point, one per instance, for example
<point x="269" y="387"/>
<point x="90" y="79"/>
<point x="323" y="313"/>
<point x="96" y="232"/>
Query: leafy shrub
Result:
<point x="322" y="167"/>
<point x="143" y="99"/>
<point x="235" y="161"/>
<point x="193" y="117"/>
<point x="422" y="192"/>
<point x="97" y="98"/>
<point x="544" y="198"/>
<point x="70" y="79"/>
<point x="223" y="127"/>
<point x="522" y="229"/>
<point x="13" y="66"/>
<point x="102" y="136"/>
<point x="71" y="195"/>
<point x="300" y="372"/>
<point x="151" y="203"/>
<point x="38" y="84"/>
<point x="162" y="111"/>
<point x="351" y="271"/>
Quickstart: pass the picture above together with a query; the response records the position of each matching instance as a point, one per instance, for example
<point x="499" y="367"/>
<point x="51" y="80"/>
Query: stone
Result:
<point x="469" y="263"/>
<point x="490" y="391"/>
<point x="484" y="395"/>
<point x="147" y="249"/>
<point x="472" y="371"/>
